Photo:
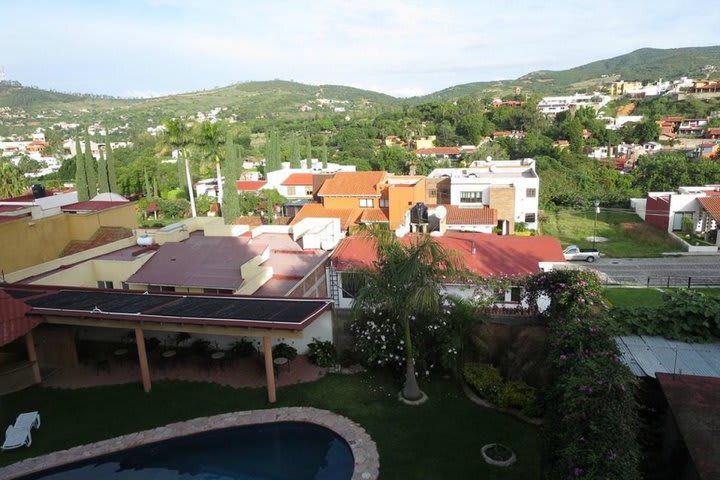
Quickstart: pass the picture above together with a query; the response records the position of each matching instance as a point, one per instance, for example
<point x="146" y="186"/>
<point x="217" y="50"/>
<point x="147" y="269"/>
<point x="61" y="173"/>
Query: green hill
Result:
<point x="282" y="98"/>
<point x="644" y="64"/>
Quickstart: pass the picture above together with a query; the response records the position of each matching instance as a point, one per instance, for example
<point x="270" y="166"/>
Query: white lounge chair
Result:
<point x="28" y="420"/>
<point x="16" y="438"/>
<point x="19" y="434"/>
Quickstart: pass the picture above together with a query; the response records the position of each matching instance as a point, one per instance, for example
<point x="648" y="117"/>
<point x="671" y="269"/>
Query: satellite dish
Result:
<point x="440" y="212"/>
<point x="400" y="232"/>
<point x="488" y="159"/>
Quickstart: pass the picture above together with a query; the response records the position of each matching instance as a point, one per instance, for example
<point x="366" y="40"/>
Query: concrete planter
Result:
<point x="695" y="248"/>
<point x="498" y="463"/>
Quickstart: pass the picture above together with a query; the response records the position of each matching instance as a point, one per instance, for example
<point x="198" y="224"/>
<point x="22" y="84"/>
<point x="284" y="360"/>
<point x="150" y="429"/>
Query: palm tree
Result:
<point x="12" y="181"/>
<point x="405" y="282"/>
<point x="211" y="140"/>
<point x="178" y="136"/>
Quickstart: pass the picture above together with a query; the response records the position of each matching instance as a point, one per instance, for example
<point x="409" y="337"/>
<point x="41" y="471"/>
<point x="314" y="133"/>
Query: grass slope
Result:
<point x="627" y="234"/>
<point x="440" y="439"/>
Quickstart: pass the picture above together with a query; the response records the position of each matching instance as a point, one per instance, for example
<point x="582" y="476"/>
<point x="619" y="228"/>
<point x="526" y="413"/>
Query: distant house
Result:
<point x="692" y="127"/>
<point x="713" y="133"/>
<point x="440" y="153"/>
<point x="668" y="210"/>
<point x="707" y="150"/>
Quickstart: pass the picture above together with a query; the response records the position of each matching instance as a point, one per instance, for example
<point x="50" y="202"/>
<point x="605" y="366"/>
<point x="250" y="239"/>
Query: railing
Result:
<point x="666" y="281"/>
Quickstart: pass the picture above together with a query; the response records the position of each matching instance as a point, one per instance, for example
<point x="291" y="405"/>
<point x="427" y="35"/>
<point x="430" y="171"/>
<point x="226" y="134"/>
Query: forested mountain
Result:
<point x="277" y="97"/>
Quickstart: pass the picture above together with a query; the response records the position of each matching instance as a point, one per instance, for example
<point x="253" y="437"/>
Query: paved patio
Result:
<point x="239" y="372"/>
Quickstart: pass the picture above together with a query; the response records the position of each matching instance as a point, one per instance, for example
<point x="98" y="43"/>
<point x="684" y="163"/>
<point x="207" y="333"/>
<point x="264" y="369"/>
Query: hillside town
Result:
<point x="530" y="278"/>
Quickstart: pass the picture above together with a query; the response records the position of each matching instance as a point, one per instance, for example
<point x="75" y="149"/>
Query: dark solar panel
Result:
<point x="105" y="301"/>
<point x="21" y="293"/>
<point x="241" y="309"/>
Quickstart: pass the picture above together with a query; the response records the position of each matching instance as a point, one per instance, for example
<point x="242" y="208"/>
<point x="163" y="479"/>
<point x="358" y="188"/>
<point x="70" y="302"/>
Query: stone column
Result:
<point x="142" y="357"/>
<point x="269" y="369"/>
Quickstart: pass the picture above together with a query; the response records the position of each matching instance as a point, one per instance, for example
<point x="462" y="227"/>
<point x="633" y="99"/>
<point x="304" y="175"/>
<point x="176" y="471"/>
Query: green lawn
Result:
<point x="642" y="297"/>
<point x="438" y="440"/>
<point x="627" y="234"/>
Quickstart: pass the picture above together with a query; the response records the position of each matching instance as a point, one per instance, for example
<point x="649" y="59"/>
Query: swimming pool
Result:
<point x="269" y="451"/>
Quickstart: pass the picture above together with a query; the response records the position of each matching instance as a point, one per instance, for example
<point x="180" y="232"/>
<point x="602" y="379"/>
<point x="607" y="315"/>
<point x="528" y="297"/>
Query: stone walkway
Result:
<point x="364" y="450"/>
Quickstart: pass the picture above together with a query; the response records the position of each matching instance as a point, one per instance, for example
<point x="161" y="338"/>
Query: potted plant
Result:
<point x="498" y="454"/>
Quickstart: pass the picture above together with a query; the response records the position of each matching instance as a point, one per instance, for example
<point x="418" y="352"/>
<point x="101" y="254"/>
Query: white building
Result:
<point x="551" y="106"/>
<point x="512" y="187"/>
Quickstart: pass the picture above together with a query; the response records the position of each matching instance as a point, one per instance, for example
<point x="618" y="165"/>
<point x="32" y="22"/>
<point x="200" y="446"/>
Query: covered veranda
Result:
<point x="209" y="315"/>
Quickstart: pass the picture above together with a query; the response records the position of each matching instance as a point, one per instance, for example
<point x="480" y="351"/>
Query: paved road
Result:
<point x="701" y="269"/>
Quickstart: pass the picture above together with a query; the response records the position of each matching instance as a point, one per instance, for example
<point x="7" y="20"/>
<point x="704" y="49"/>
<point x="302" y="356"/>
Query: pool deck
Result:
<point x="364" y="450"/>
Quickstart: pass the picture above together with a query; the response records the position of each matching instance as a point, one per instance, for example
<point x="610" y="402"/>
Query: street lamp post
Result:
<point x="597" y="210"/>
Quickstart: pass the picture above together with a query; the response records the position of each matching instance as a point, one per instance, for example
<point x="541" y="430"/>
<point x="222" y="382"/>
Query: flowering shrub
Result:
<point x="484" y="379"/>
<point x="591" y="420"/>
<point x="282" y="349"/>
<point x="379" y="341"/>
<point x="322" y="353"/>
<point x="572" y="292"/>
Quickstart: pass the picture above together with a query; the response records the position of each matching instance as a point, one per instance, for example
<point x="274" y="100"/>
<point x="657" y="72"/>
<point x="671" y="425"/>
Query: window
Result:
<point x="105" y="284"/>
<point x="125" y="286"/>
<point x="160" y="288"/>
<point x="291" y="191"/>
<point x="384" y="203"/>
<point x="351" y="284"/>
<point x="309" y="190"/>
<point x="531" y="192"/>
<point x="529" y="218"/>
<point x="366" y="203"/>
<point x="433" y="193"/>
<point x="515" y="294"/>
<point x="217" y="290"/>
<point x="470" y="197"/>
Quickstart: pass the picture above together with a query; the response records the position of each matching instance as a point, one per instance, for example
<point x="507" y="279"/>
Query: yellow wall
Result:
<point x="87" y="274"/>
<point x="27" y="242"/>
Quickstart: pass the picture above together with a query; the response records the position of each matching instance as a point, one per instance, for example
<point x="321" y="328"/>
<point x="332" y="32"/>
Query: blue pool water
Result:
<point x="273" y="451"/>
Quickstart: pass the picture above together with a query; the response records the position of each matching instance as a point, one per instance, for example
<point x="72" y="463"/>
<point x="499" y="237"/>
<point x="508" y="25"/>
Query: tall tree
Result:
<point x="324" y="156"/>
<point x="308" y="152"/>
<point x="294" y="152"/>
<point x="272" y="153"/>
<point x="232" y="167"/>
<point x="90" y="169"/>
<point x="178" y="136"/>
<point x="110" y="162"/>
<point x="405" y="281"/>
<point x="12" y="181"/>
<point x="148" y="188"/>
<point x="103" y="177"/>
<point x="573" y="130"/>
<point x="211" y="140"/>
<point x="81" y="181"/>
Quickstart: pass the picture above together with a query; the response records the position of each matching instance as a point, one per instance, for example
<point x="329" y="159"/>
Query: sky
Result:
<point x="142" y="48"/>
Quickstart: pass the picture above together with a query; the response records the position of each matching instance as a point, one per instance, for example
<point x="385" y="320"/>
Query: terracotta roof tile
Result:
<point x="470" y="216"/>
<point x="249" y="186"/>
<point x="13" y="321"/>
<point x="439" y="151"/>
<point x="482" y="253"/>
<point x="352" y="184"/>
<point x="298" y="179"/>
<point x="373" y="215"/>
<point x="711" y="206"/>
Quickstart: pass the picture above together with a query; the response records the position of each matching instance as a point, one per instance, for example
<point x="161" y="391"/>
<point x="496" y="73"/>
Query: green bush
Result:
<point x="284" y="350"/>
<point x="322" y="353"/>
<point x="243" y="348"/>
<point x="518" y="395"/>
<point x="484" y="379"/>
<point x="176" y="194"/>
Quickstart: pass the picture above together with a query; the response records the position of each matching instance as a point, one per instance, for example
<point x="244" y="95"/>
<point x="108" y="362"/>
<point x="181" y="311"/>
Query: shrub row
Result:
<point x="591" y="411"/>
<point x="487" y="382"/>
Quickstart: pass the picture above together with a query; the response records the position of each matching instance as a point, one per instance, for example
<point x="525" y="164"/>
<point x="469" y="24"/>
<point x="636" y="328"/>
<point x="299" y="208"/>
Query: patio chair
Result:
<point x="16" y="438"/>
<point x="28" y="420"/>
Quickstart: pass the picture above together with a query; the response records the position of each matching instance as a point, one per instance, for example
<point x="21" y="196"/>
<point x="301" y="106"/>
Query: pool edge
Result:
<point x="364" y="450"/>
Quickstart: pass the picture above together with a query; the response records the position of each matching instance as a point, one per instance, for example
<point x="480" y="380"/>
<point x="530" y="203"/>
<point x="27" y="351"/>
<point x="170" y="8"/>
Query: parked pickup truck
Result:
<point x="573" y="252"/>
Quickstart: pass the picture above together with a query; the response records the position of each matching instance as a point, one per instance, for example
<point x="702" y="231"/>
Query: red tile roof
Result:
<point x="298" y="179"/>
<point x="439" y="151"/>
<point x="470" y="216"/>
<point x="373" y="215"/>
<point x="353" y="184"/>
<point x="249" y="185"/>
<point x="91" y="206"/>
<point x="13" y="321"/>
<point x="309" y="210"/>
<point x="482" y="253"/>
<point x="712" y="206"/>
